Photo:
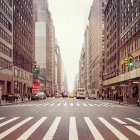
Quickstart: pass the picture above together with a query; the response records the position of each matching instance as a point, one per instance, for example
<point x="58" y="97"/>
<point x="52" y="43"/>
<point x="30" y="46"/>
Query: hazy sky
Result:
<point x="70" y="18"/>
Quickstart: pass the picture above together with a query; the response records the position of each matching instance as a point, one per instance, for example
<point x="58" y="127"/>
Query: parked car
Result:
<point x="71" y="95"/>
<point x="35" y="96"/>
<point x="42" y="95"/>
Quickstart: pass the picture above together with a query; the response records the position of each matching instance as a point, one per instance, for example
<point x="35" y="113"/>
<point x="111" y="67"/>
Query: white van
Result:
<point x="81" y="93"/>
<point x="93" y="94"/>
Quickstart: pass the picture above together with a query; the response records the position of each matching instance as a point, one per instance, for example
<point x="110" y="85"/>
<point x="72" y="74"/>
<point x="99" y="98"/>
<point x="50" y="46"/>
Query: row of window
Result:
<point x="123" y="2"/>
<point x="131" y="32"/>
<point x="5" y="22"/>
<point x="5" y="64"/>
<point x="5" y="36"/>
<point x="130" y="19"/>
<point x="112" y="39"/>
<point x="130" y="48"/>
<point x="9" y="2"/>
<point x="5" y="8"/>
<point x="112" y="49"/>
<point x="5" y="50"/>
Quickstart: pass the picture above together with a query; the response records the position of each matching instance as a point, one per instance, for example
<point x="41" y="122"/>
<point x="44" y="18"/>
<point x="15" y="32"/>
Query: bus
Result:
<point x="93" y="94"/>
<point x="81" y="93"/>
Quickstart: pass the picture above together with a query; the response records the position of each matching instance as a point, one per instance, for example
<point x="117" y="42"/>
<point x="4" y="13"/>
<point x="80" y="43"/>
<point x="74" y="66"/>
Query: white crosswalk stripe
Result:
<point x="73" y="127"/>
<point x="133" y="130"/>
<point x="91" y="105"/>
<point x="9" y="121"/>
<point x="118" y="134"/>
<point x="1" y="118"/>
<point x="119" y="121"/>
<point x="32" y="129"/>
<point x="73" y="135"/>
<point x="136" y="122"/>
<point x="84" y="104"/>
<point x="71" y="104"/>
<point x="58" y="104"/>
<point x="77" y="104"/>
<point x="52" y="104"/>
<point x="10" y="130"/>
<point x="65" y="104"/>
<point x="96" y="134"/>
<point x="50" y="133"/>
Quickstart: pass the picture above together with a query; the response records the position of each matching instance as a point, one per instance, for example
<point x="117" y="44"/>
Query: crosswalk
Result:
<point x="112" y="124"/>
<point x="66" y="104"/>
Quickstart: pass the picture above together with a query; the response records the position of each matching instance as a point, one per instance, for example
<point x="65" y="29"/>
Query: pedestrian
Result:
<point x="119" y="98"/>
<point x="138" y="102"/>
<point x="6" y="98"/>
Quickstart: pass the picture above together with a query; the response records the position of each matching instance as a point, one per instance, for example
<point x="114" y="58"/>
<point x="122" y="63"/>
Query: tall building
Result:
<point x="96" y="44"/>
<point x="127" y="80"/>
<point x="44" y="41"/>
<point x="22" y="46"/>
<point x="6" y="46"/>
<point x="112" y="34"/>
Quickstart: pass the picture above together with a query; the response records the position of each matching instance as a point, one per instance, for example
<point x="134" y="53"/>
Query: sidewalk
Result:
<point x="3" y="103"/>
<point x="117" y="102"/>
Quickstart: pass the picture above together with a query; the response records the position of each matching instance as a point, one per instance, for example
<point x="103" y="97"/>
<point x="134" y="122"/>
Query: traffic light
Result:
<point x="126" y="61"/>
<point x="130" y="63"/>
<point x="33" y="67"/>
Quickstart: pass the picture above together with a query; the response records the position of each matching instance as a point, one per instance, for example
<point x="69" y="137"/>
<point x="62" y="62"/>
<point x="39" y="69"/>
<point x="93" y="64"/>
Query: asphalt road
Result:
<point x="69" y="119"/>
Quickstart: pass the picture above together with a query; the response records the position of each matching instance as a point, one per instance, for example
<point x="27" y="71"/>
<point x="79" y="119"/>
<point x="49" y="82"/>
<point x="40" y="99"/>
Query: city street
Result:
<point x="69" y="119"/>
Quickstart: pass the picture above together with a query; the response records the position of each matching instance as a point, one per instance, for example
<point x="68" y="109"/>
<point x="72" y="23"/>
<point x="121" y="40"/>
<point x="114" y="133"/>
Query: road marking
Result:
<point x="91" y="105"/>
<point x="45" y="104"/>
<point x="73" y="129"/>
<point x="133" y="130"/>
<point x="71" y="104"/>
<point x="50" y="134"/>
<point x="10" y="130"/>
<point x="136" y="122"/>
<point x="77" y="104"/>
<point x="97" y="105"/>
<point x="29" y="132"/>
<point x="9" y="121"/>
<point x="2" y="118"/>
<point x="52" y="104"/>
<point x="58" y="104"/>
<point x="84" y="104"/>
<point x="118" y="134"/>
<point x="96" y="134"/>
<point x="119" y="121"/>
<point x="65" y="104"/>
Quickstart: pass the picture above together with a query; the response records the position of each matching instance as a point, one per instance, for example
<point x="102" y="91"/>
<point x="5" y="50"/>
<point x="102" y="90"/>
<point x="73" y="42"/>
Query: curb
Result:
<point x="14" y="103"/>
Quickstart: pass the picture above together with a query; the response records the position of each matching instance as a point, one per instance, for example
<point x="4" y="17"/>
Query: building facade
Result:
<point x="6" y="47"/>
<point x="22" y="46"/>
<point x="128" y="79"/>
<point x="112" y="33"/>
<point x="96" y="44"/>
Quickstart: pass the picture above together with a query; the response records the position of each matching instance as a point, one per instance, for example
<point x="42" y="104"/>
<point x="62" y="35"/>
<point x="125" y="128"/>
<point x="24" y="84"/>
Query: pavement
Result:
<point x="69" y="119"/>
<point x="26" y="100"/>
<point x="3" y="103"/>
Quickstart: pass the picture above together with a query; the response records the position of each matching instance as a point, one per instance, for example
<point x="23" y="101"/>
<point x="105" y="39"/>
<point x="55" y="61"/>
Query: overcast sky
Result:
<point x="70" y="18"/>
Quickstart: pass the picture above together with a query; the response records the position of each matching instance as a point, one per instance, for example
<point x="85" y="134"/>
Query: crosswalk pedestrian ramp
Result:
<point x="99" y="128"/>
<point x="65" y="104"/>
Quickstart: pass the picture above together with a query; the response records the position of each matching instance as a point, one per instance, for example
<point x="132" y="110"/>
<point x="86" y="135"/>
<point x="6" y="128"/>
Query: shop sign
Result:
<point x="133" y="74"/>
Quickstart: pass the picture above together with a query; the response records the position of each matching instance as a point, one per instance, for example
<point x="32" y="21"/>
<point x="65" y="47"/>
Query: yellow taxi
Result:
<point x="71" y="95"/>
<point x="58" y="95"/>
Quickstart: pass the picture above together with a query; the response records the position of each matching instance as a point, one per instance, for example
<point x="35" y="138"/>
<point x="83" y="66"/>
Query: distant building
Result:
<point x="6" y="47"/>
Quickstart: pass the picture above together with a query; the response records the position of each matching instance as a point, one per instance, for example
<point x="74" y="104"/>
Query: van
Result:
<point x="81" y="93"/>
<point x="93" y="94"/>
